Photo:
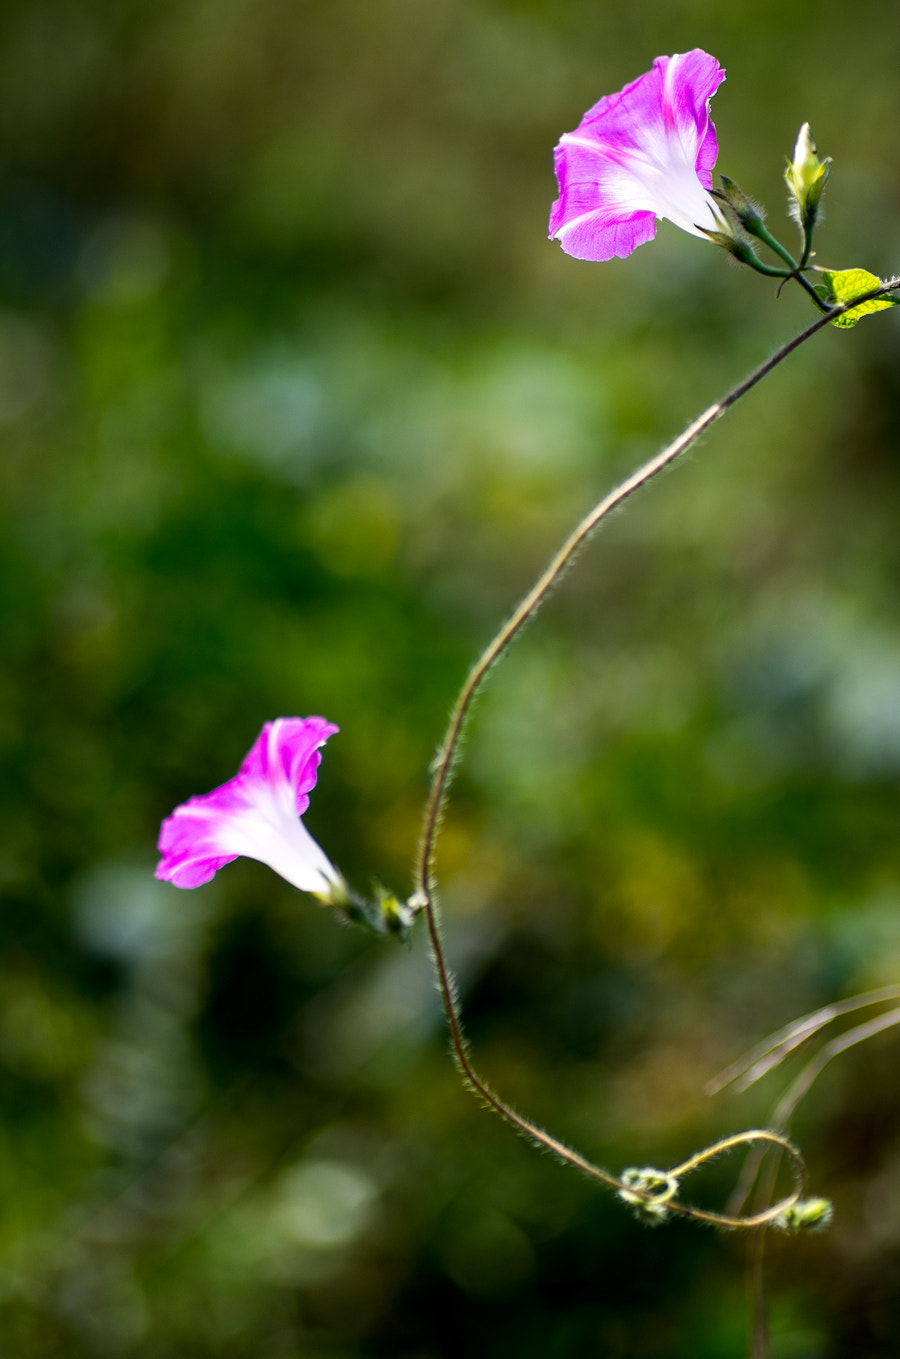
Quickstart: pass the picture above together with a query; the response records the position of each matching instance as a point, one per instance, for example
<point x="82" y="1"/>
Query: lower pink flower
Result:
<point x="644" y="153"/>
<point x="257" y="814"/>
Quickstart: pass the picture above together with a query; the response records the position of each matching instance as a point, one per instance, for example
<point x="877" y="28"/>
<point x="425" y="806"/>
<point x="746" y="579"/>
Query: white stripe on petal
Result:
<point x="649" y="149"/>
<point x="276" y="836"/>
<point x="576" y="221"/>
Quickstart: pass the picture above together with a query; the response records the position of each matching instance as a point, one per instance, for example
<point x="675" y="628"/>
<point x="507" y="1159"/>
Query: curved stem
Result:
<point x="786" y="1106"/>
<point x="768" y="270"/>
<point x="766" y="1215"/>
<point x="805" y="283"/>
<point x="423" y="897"/>
<point x="807" y="230"/>
<point x="794" y="270"/>
<point x="771" y="1051"/>
<point x="763" y="234"/>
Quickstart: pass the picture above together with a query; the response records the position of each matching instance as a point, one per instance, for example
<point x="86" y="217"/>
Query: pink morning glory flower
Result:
<point x="257" y="814"/>
<point x="644" y="153"/>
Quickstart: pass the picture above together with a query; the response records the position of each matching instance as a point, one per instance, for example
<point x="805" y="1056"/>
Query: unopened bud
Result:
<point x="749" y="214"/>
<point x="647" y="1192"/>
<point x="808" y="1215"/>
<point x="396" y="916"/>
<point x="806" y="176"/>
<point x="736" y="245"/>
<point x="383" y="912"/>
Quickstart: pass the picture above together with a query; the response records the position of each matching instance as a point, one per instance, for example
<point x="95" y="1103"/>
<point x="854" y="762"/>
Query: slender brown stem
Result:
<point x="784" y="1110"/>
<point x="424" y="898"/>
<point x="816" y="299"/>
<point x="771" y="1051"/>
<point x="771" y="1139"/>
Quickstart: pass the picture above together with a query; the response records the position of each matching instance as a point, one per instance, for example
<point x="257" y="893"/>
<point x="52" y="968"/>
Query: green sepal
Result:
<point x="845" y="284"/>
<point x="396" y="916"/>
<point x="749" y="214"/>
<point x="383" y="913"/>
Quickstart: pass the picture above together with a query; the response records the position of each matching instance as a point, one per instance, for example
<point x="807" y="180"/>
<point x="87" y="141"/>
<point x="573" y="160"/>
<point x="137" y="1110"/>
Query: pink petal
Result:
<point x="187" y="844"/>
<point x="644" y="153"/>
<point x="594" y="237"/>
<point x="288" y="750"/>
<point x="255" y="814"/>
<point x="689" y="81"/>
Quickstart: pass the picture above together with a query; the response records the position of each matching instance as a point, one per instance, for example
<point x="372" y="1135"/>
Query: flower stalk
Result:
<point x="424" y="897"/>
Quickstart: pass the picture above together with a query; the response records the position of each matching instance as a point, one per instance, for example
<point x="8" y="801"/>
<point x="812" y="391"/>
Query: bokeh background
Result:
<point x="295" y="400"/>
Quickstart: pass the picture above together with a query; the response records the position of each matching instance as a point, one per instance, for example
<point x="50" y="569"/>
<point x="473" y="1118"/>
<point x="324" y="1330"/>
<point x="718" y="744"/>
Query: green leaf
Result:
<point x="846" y="284"/>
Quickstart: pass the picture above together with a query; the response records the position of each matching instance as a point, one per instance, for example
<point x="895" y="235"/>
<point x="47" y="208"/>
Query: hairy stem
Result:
<point x="808" y="287"/>
<point x="424" y="893"/>
<point x="794" y="270"/>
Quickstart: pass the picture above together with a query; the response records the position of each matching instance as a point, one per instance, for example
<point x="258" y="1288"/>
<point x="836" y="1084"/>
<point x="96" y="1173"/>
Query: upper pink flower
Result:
<point x="644" y="153"/>
<point x="257" y="814"/>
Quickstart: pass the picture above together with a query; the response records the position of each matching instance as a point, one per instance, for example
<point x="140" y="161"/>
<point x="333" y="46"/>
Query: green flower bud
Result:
<point x="749" y="214"/>
<point x="806" y="176"/>
<point x="805" y="1215"/>
<point x="654" y="1190"/>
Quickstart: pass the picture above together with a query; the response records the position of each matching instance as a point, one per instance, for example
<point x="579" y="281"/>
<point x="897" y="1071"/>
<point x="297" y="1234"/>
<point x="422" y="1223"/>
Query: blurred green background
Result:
<point x="295" y="400"/>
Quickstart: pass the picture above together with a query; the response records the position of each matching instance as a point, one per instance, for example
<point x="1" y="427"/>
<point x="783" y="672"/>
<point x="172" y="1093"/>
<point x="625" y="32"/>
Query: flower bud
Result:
<point x="647" y="1192"/>
<point x="736" y="245"/>
<point x="750" y="215"/>
<point x="806" y="177"/>
<point x="805" y="1215"/>
<point x="396" y="916"/>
